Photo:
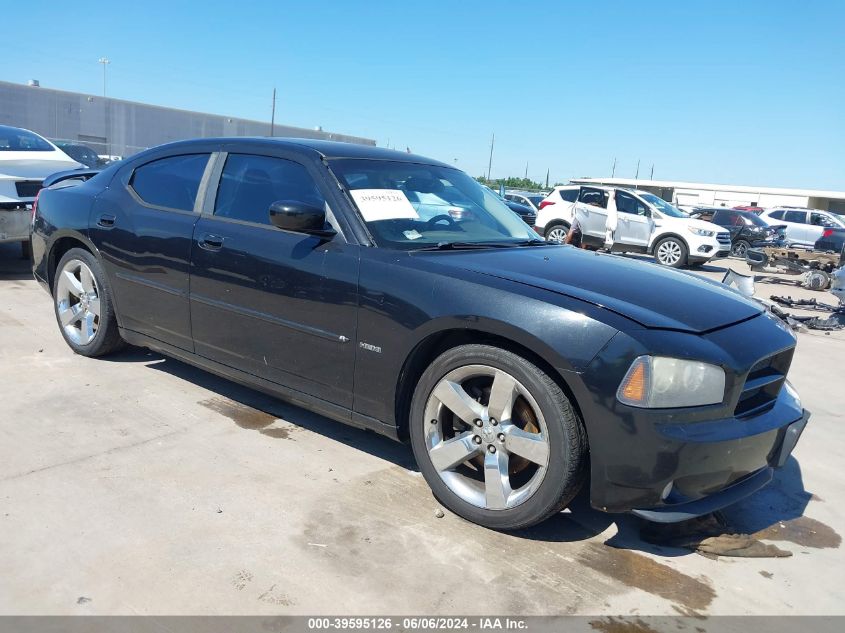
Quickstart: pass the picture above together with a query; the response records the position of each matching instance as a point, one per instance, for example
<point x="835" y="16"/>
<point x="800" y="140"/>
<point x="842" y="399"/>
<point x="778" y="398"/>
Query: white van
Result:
<point x="645" y="223"/>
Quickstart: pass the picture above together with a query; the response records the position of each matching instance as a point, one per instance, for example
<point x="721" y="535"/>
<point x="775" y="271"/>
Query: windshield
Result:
<point x="664" y="207"/>
<point x="409" y="206"/>
<point x="14" y="139"/>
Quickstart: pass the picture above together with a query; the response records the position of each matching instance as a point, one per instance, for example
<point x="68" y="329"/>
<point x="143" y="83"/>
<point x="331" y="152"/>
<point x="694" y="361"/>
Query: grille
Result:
<point x="724" y="238"/>
<point x="763" y="384"/>
<point x="28" y="188"/>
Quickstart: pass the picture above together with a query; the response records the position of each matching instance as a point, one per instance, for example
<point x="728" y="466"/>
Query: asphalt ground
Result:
<point x="138" y="484"/>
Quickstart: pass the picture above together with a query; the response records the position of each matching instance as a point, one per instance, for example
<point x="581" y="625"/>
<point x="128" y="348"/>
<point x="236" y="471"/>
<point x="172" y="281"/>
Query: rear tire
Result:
<point x="556" y="232"/>
<point x="672" y="252"/>
<point x="507" y="473"/>
<point x="83" y="305"/>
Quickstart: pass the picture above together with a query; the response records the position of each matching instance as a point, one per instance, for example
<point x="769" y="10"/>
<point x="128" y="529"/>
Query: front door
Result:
<point x="279" y="305"/>
<point x="591" y="210"/>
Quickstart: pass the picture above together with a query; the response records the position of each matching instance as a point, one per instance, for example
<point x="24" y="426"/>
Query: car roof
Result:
<point x="325" y="149"/>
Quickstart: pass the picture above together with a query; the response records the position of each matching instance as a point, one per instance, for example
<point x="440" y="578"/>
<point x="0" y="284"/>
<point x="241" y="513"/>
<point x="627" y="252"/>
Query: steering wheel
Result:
<point x="440" y="218"/>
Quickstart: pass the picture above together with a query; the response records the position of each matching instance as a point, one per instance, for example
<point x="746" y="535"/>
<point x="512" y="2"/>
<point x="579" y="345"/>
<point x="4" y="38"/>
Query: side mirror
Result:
<point x="299" y="217"/>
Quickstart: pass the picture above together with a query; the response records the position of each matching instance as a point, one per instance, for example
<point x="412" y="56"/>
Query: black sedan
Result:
<point x="832" y="239"/>
<point x="342" y="278"/>
<point x="747" y="229"/>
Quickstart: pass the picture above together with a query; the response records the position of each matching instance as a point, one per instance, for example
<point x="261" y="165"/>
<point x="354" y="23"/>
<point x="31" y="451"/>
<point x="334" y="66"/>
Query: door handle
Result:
<point x="211" y="242"/>
<point x="106" y="220"/>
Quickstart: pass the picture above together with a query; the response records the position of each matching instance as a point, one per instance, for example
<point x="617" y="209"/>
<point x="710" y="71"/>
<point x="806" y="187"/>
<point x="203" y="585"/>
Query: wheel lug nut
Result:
<point x="434" y="421"/>
<point x="501" y="437"/>
<point x="493" y="421"/>
<point x="476" y="439"/>
<point x="491" y="448"/>
<point x="477" y="422"/>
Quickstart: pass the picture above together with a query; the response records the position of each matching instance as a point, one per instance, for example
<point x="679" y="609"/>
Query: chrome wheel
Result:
<point x="78" y="302"/>
<point x="486" y="437"/>
<point x="739" y="249"/>
<point x="557" y="234"/>
<point x="669" y="253"/>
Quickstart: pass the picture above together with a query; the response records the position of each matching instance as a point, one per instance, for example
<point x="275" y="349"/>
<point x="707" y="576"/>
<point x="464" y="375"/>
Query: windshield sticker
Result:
<point x="413" y="234"/>
<point x="383" y="204"/>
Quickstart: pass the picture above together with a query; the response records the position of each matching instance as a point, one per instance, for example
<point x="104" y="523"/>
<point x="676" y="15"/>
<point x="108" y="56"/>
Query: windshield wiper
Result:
<point x="455" y="246"/>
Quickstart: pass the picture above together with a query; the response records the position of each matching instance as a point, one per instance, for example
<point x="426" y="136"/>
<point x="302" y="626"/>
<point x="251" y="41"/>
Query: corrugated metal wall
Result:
<point x="121" y="128"/>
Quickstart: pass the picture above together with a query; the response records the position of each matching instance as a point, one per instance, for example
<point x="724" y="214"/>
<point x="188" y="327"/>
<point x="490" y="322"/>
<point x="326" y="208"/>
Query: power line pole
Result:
<point x="104" y="62"/>
<point x="273" y="114"/>
<point x="613" y="171"/>
<point x="547" y="178"/>
<point x="651" y="177"/>
<point x="638" y="170"/>
<point x="490" y="162"/>
<point x="526" y="170"/>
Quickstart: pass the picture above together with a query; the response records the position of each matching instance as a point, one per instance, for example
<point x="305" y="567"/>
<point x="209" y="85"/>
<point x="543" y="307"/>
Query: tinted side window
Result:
<point x="819" y="219"/>
<point x="595" y="197"/>
<point x="170" y="182"/>
<point x="250" y="184"/>
<point x="799" y="217"/>
<point x="570" y="195"/>
<point x="627" y="203"/>
<point x="777" y="215"/>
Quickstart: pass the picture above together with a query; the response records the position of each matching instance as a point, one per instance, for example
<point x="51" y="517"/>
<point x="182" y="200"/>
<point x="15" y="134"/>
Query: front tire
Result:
<point x="672" y="252"/>
<point x="496" y="438"/>
<point x="740" y="249"/>
<point x="83" y="305"/>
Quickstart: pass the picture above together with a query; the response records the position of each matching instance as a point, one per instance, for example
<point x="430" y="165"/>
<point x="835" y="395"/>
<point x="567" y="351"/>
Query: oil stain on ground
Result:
<point x="641" y="572"/>
<point x="622" y="625"/>
<point x="802" y="531"/>
<point x="247" y="417"/>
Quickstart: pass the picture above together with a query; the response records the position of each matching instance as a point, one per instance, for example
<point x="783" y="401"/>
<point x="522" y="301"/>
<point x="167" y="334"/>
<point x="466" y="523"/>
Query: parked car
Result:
<point x="832" y="239"/>
<point x="646" y="224"/>
<point x="80" y="153"/>
<point x="25" y="160"/>
<point x="513" y="366"/>
<point x="527" y="213"/>
<point x="803" y="226"/>
<point x="555" y="222"/>
<point x="747" y="230"/>
<point x="528" y="199"/>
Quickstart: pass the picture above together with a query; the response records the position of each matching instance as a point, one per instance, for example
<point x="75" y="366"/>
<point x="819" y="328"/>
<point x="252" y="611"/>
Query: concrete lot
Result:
<point x="140" y="485"/>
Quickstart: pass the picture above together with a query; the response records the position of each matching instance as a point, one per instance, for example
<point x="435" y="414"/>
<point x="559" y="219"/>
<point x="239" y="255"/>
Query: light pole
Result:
<point x="104" y="61"/>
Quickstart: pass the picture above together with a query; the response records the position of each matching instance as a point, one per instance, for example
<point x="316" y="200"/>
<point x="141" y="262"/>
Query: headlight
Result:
<point x="657" y="382"/>
<point x="701" y="232"/>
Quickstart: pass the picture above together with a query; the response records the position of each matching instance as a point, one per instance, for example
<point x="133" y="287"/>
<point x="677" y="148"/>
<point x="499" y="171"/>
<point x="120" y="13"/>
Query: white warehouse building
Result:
<point x="693" y="193"/>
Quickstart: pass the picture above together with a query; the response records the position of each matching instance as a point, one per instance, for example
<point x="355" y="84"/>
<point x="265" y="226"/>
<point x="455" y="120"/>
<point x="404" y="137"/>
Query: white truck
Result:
<point x="629" y="220"/>
<point x="26" y="159"/>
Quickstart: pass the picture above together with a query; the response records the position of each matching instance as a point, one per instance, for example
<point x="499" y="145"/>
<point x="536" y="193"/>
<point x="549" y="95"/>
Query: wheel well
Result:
<point x="430" y="348"/>
<point x="663" y="237"/>
<point x="60" y="247"/>
<point x="555" y="223"/>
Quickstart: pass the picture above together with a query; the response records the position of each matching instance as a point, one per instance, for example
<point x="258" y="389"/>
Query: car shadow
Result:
<point x="254" y="410"/>
<point x="12" y="266"/>
<point x="761" y="515"/>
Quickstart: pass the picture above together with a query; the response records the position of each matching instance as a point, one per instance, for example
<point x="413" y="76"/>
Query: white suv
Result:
<point x="554" y="216"/>
<point x="645" y="223"/>
<point x="803" y="226"/>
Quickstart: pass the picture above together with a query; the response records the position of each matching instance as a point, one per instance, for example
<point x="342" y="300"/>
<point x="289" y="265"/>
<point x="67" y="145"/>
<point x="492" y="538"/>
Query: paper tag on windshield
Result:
<point x="412" y="234"/>
<point x="383" y="204"/>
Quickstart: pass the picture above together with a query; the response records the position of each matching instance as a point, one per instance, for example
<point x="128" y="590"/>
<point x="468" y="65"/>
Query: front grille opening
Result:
<point x="763" y="384"/>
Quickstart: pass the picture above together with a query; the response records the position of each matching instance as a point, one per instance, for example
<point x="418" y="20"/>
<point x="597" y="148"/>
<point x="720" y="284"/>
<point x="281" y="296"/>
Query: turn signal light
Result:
<point x="633" y="389"/>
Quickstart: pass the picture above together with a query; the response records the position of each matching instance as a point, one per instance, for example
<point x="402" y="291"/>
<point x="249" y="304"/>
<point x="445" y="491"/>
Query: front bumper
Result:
<point x="675" y="463"/>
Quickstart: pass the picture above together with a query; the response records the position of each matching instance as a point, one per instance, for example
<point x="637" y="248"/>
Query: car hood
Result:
<point x="34" y="165"/>
<point x="646" y="293"/>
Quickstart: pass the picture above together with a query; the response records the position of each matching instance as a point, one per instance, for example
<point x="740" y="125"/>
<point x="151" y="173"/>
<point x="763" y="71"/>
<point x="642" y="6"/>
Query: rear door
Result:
<point x="143" y="226"/>
<point x="797" y="227"/>
<point x="282" y="306"/>
<point x="591" y="208"/>
<point x="634" y="224"/>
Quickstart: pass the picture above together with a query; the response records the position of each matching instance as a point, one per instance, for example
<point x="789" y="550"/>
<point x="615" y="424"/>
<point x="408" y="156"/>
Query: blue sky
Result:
<point x="737" y="92"/>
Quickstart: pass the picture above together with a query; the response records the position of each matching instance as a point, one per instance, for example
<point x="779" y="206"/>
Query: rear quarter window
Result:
<point x="570" y="195"/>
